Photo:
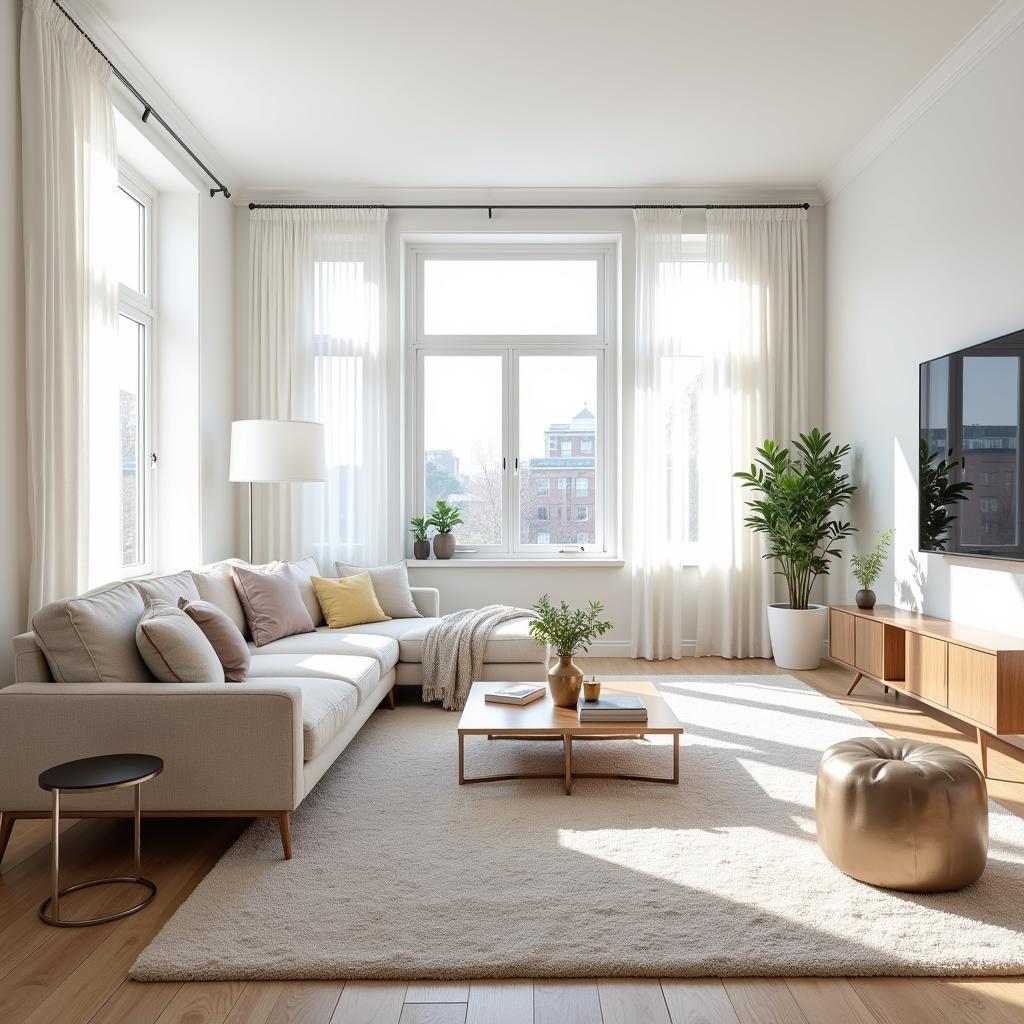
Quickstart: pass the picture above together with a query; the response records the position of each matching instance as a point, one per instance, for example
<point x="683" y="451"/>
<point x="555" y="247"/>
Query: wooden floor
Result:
<point x="67" y="976"/>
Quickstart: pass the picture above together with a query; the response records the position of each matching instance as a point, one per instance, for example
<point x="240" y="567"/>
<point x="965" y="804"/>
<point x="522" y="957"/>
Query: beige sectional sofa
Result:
<point x="251" y="749"/>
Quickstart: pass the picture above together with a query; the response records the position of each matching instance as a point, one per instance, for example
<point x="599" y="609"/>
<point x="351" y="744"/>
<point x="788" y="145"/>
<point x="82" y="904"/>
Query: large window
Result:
<point x="512" y="393"/>
<point x="126" y="381"/>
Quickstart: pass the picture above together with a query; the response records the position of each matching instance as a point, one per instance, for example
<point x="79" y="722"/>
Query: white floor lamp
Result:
<point x="276" y="452"/>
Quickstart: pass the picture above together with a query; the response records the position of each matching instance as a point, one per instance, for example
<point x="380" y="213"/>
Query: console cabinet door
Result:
<point x="972" y="684"/>
<point x="840" y="636"/>
<point x="926" y="667"/>
<point x="869" y="645"/>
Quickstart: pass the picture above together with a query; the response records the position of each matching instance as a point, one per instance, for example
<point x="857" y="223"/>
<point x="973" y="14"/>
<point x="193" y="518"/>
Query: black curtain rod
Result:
<point x="148" y="110"/>
<point x="528" y="206"/>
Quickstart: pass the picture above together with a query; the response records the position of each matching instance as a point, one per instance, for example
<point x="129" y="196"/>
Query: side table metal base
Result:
<point x="82" y="922"/>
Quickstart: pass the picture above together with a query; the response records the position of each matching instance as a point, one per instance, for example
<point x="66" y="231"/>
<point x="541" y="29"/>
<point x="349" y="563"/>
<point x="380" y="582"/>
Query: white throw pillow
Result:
<point x="302" y="570"/>
<point x="390" y="584"/>
<point x="174" y="648"/>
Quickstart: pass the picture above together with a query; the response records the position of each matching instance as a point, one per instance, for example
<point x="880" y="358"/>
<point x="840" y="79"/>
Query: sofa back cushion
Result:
<point x="390" y="585"/>
<point x="91" y="638"/>
<point x="168" y="588"/>
<point x="216" y="584"/>
<point x="302" y="571"/>
<point x="272" y="603"/>
<point x="231" y="649"/>
<point x="349" y="602"/>
<point x="174" y="647"/>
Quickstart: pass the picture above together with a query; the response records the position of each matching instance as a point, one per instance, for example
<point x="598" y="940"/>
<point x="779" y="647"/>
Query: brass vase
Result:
<point x="564" y="682"/>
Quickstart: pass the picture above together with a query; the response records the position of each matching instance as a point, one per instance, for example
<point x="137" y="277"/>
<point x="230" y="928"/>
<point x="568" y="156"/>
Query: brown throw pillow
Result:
<point x="272" y="603"/>
<point x="174" y="647"/>
<point x="224" y="637"/>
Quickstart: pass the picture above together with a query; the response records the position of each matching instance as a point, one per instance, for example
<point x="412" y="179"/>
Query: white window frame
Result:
<point x="603" y="346"/>
<point x="141" y="307"/>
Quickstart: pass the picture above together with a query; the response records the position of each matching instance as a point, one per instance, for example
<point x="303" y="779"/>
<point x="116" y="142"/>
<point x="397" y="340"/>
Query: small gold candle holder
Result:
<point x="591" y="690"/>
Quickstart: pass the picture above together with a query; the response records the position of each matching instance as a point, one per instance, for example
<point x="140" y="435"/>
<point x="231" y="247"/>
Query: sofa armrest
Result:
<point x="226" y="746"/>
<point x="427" y="601"/>
<point x="30" y="664"/>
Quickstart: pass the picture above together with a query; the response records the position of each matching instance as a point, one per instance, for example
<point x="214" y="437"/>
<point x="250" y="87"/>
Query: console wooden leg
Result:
<point x="6" y="828"/>
<point x="853" y="686"/>
<point x="983" y="751"/>
<point x="885" y="689"/>
<point x="284" y="824"/>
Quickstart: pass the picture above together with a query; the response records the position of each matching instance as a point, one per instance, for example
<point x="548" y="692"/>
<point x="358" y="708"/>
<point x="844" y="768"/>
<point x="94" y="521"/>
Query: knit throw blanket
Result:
<point x="453" y="652"/>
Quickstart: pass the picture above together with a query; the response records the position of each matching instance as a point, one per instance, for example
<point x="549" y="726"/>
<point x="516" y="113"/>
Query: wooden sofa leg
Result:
<point x="391" y="698"/>
<point x="284" y="824"/>
<point x="6" y="828"/>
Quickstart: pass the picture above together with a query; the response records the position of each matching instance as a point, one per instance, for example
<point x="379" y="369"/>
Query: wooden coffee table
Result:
<point x="541" y="720"/>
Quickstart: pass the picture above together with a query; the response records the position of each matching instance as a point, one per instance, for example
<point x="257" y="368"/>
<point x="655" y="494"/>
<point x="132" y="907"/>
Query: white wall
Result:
<point x="14" y="543"/>
<point x="924" y="257"/>
<point x="465" y="586"/>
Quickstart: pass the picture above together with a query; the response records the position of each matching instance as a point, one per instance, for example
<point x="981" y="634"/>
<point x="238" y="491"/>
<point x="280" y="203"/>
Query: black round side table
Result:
<point x="94" y="775"/>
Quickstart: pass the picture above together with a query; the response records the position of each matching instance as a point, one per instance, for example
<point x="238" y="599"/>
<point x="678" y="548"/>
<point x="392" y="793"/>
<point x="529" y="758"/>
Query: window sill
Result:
<point x="596" y="562"/>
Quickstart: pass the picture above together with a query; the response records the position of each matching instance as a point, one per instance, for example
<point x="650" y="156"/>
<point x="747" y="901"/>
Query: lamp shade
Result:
<point x="277" y="451"/>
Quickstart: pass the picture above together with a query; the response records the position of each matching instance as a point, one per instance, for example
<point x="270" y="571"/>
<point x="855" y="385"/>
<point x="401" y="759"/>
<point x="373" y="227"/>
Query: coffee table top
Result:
<point x="541" y="716"/>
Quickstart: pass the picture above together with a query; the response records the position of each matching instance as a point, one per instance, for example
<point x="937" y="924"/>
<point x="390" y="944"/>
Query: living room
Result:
<point x="486" y="534"/>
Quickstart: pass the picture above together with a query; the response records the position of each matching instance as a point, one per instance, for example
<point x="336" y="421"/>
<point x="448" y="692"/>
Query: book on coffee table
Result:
<point x="524" y="693"/>
<point x="619" y="707"/>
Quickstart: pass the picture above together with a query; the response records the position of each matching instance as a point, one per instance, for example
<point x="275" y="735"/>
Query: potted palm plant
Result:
<point x="444" y="519"/>
<point x="799" y="490"/>
<point x="569" y="631"/>
<point x="418" y="527"/>
<point x="867" y="568"/>
<point x="939" y="494"/>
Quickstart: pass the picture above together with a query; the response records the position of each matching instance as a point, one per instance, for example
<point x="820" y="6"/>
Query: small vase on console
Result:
<point x="865" y="599"/>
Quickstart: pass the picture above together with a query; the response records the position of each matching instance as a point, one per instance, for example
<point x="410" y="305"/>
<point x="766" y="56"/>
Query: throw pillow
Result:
<point x="349" y="602"/>
<point x="390" y="585"/>
<point x="228" y="643"/>
<point x="174" y="647"/>
<point x="216" y="584"/>
<point x="272" y="603"/>
<point x="302" y="571"/>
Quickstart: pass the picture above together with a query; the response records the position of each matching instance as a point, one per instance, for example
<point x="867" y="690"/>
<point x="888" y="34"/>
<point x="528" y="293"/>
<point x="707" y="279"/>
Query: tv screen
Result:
<point x="969" y="453"/>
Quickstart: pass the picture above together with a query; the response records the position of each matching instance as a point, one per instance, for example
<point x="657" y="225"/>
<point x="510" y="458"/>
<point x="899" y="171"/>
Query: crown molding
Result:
<point x="120" y="54"/>
<point x="526" y="196"/>
<point x="997" y="26"/>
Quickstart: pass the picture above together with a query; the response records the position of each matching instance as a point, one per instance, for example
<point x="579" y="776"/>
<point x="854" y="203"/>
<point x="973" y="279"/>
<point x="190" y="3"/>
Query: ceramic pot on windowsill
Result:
<point x="444" y="545"/>
<point x="564" y="682"/>
<point x="421" y="549"/>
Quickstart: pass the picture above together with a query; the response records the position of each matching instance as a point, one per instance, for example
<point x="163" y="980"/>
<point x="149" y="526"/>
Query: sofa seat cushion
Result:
<point x="327" y="706"/>
<point x="510" y="642"/>
<point x="338" y="641"/>
<point x="361" y="672"/>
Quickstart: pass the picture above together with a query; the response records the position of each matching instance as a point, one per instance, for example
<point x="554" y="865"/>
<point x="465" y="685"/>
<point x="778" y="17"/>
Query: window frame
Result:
<point x="141" y="308"/>
<point x="603" y="346"/>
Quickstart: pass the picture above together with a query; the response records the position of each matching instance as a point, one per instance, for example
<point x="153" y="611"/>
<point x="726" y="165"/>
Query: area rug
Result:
<point x="401" y="873"/>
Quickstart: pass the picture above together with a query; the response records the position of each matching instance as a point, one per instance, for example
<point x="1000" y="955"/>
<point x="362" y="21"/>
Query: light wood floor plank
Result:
<point x="437" y="992"/>
<point x="205" y="1002"/>
<point x="763" y="1001"/>
<point x="370" y="1002"/>
<point x="136" y="1003"/>
<point x="256" y="1002"/>
<point x="306" y="1002"/>
<point x="566" y="1002"/>
<point x="500" y="1002"/>
<point x="899" y="1001"/>
<point x="697" y="1001"/>
<point x="433" y="1013"/>
<point x="626" y="1001"/>
<point x="826" y="1000"/>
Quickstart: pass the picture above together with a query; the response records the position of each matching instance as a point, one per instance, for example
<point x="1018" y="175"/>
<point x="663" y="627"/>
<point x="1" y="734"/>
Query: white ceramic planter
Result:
<point x="797" y="636"/>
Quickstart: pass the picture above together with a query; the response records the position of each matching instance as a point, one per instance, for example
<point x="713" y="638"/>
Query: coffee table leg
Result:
<point x="675" y="758"/>
<point x="55" y="857"/>
<point x="567" y="745"/>
<point x="462" y="759"/>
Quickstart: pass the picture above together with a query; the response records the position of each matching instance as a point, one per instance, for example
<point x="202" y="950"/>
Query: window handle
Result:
<point x="152" y="458"/>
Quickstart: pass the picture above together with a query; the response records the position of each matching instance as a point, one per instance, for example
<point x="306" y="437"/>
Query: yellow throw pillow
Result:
<point x="348" y="602"/>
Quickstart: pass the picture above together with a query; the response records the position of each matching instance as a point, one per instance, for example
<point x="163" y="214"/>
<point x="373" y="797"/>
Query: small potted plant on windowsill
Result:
<point x="418" y="527"/>
<point x="444" y="519"/>
<point x="569" y="631"/>
<point x="867" y="568"/>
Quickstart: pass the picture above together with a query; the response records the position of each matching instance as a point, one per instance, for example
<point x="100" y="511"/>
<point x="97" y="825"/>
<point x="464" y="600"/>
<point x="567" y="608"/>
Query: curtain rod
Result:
<point x="527" y="206"/>
<point x="148" y="110"/>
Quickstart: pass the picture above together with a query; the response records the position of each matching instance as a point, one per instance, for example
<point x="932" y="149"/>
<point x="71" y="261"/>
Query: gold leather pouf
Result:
<point x="902" y="814"/>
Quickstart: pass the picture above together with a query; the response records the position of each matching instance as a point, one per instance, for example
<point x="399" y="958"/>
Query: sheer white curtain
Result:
<point x="755" y="387"/>
<point x="69" y="182"/>
<point x="317" y="324"/>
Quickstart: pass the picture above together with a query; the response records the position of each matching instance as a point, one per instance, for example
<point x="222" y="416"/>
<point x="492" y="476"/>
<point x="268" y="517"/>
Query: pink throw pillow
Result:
<point x="228" y="643"/>
<point x="272" y="603"/>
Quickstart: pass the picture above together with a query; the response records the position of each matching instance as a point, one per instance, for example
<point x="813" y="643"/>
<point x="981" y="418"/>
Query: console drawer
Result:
<point x="841" y="636"/>
<point x="869" y="645"/>
<point x="972" y="684"/>
<point x="926" y="667"/>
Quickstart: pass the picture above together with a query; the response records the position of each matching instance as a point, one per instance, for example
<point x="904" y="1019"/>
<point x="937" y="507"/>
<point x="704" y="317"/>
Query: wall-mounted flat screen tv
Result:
<point x="969" y="469"/>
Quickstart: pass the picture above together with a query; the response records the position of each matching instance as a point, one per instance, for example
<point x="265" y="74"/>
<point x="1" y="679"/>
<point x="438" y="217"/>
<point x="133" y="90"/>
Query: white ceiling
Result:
<point x="322" y="94"/>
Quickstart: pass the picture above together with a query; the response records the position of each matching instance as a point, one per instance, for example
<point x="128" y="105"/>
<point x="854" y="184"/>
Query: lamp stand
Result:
<point x="250" y="522"/>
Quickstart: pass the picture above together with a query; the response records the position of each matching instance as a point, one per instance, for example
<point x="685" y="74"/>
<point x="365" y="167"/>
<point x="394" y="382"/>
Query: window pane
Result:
<point x="131" y="238"/>
<point x="129" y="366"/>
<point x="462" y="422"/>
<point x="510" y="297"/>
<point x="557" y="441"/>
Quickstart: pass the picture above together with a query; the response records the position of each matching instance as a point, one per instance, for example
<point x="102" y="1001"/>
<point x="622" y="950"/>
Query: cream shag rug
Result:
<point x="401" y="873"/>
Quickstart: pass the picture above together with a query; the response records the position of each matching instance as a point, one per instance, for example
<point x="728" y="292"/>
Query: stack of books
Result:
<point x="524" y="693"/>
<point x="619" y="707"/>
